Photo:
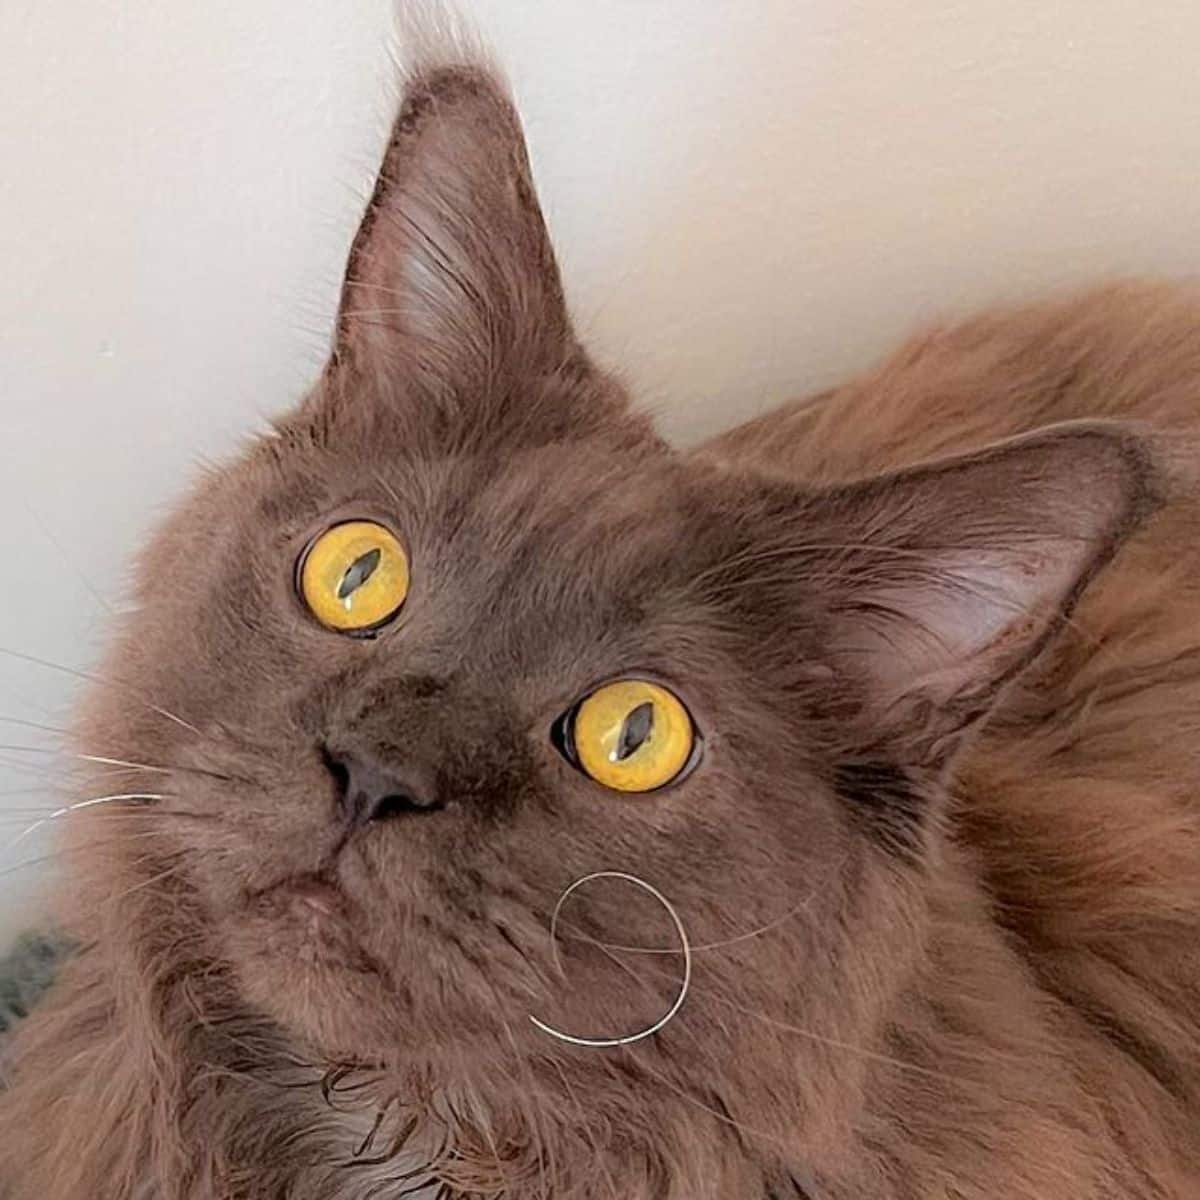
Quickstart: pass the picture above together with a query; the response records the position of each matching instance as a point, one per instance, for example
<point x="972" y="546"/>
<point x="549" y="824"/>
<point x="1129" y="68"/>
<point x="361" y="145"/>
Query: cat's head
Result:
<point x="462" y="630"/>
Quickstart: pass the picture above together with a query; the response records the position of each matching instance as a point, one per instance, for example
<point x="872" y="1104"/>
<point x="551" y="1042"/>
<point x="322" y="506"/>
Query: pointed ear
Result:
<point x="941" y="583"/>
<point x="452" y="288"/>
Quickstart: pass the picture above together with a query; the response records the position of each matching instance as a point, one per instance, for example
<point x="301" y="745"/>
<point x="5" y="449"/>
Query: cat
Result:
<point x="890" y="698"/>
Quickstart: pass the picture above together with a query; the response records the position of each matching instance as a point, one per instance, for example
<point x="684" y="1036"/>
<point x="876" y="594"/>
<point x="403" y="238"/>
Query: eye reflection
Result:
<point x="354" y="577"/>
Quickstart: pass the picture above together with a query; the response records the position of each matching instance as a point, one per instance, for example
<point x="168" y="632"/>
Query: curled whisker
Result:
<point x="669" y="1015"/>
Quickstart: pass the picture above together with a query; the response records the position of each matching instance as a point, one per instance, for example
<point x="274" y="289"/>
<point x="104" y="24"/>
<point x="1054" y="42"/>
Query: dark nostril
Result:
<point x="368" y="790"/>
<point x="339" y="771"/>
<point x="397" y="804"/>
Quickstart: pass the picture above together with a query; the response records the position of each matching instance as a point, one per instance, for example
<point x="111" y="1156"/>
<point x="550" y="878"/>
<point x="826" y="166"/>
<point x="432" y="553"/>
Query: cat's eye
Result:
<point x="630" y="735"/>
<point x="354" y="576"/>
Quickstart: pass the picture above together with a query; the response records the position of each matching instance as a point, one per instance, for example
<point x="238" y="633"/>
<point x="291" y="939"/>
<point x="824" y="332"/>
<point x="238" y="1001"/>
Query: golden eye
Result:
<point x="631" y="735"/>
<point x="354" y="577"/>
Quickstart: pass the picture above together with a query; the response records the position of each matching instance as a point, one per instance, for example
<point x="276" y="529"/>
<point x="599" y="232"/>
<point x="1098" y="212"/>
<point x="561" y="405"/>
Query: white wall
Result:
<point x="750" y="198"/>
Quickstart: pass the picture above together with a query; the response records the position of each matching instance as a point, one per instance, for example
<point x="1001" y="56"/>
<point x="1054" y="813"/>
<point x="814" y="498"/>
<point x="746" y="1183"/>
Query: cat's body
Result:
<point x="1077" y="810"/>
<point x="974" y="970"/>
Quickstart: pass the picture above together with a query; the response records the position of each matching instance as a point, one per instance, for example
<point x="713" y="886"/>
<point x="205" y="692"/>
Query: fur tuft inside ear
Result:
<point x="939" y="584"/>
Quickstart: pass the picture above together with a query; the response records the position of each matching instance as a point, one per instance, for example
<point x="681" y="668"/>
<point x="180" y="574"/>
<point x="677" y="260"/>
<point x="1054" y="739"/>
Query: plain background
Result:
<point x="750" y="198"/>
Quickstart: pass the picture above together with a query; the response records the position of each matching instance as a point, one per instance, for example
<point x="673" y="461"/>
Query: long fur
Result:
<point x="939" y="854"/>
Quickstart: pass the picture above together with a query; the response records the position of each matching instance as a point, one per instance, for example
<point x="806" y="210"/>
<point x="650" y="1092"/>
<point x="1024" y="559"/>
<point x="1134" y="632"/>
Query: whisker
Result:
<point x="821" y="1039"/>
<point x="723" y="1117"/>
<point x="95" y="844"/>
<point x="29" y="766"/>
<point x="798" y="1031"/>
<point x="70" y="560"/>
<point x="147" y="797"/>
<point x="145" y="883"/>
<point x="40" y="860"/>
<point x="673" y="950"/>
<point x="650" y="1030"/>
<point x="134" y="813"/>
<point x="129" y="764"/>
<point x="32" y="725"/>
<point x="104" y="760"/>
<point x="99" y="679"/>
<point x="92" y="758"/>
<point x="834" y="1043"/>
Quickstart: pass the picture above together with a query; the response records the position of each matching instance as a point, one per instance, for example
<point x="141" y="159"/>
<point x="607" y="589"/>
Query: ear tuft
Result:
<point x="452" y="310"/>
<point x="432" y="35"/>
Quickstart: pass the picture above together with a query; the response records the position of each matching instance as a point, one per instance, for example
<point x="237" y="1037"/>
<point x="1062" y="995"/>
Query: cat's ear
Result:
<point x="937" y="585"/>
<point x="452" y="291"/>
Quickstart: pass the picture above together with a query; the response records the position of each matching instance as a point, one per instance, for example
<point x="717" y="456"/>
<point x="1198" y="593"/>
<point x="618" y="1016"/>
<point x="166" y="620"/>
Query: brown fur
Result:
<point x="967" y="784"/>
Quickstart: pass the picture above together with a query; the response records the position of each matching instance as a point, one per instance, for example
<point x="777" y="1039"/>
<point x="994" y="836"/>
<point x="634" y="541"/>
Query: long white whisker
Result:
<point x="669" y="1015"/>
<point x="148" y="797"/>
<point x="104" y="760"/>
<point x="92" y="758"/>
<point x="121" y="763"/>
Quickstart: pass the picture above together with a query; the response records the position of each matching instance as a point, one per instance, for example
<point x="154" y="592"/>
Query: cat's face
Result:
<point x="379" y="814"/>
<point x="536" y="579"/>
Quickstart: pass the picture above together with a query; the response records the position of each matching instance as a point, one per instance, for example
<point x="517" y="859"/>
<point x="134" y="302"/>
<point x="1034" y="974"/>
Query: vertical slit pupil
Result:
<point x="638" y="726"/>
<point x="359" y="571"/>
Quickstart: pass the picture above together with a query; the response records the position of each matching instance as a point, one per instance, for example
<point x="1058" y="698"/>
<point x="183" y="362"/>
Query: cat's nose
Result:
<point x="369" y="790"/>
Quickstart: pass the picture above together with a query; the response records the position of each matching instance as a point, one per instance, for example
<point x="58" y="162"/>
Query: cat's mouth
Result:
<point x="309" y="922"/>
<point x="310" y="898"/>
<point x="309" y="894"/>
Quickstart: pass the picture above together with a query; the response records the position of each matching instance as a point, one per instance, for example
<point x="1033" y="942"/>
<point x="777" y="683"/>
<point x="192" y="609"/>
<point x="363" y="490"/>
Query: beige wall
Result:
<point x="751" y="197"/>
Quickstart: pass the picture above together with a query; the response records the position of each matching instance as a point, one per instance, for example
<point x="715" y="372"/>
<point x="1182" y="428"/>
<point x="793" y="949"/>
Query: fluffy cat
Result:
<point x="923" y="659"/>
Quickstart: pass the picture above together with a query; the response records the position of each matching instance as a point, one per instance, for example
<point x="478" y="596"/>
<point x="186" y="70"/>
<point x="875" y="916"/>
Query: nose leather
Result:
<point x="372" y="790"/>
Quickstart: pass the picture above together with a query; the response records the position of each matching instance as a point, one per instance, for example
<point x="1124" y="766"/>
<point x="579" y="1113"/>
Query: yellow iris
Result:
<point x="632" y="736"/>
<point x="354" y="577"/>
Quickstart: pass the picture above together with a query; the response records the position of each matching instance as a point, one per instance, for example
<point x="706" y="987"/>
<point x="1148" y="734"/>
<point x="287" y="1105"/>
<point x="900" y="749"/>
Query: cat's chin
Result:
<point x="299" y="960"/>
